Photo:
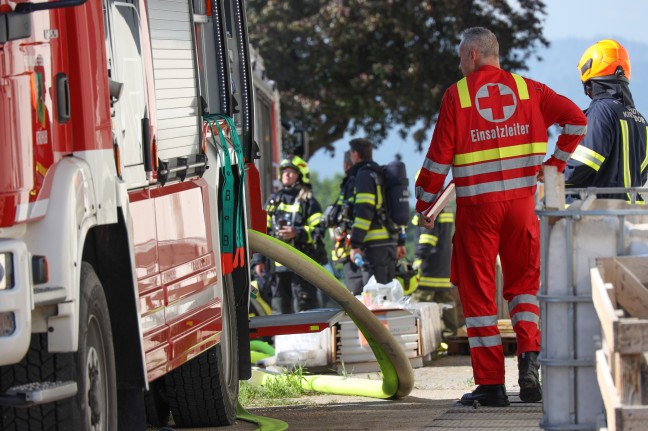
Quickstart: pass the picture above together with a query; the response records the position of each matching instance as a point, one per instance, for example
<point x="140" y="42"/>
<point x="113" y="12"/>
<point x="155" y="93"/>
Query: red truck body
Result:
<point x="109" y="178"/>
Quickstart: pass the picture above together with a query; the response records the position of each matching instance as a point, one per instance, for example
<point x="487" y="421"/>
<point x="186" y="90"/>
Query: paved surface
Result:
<point x="432" y="406"/>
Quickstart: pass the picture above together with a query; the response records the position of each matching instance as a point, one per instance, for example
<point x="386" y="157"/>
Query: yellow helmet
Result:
<point x="298" y="164"/>
<point x="605" y="59"/>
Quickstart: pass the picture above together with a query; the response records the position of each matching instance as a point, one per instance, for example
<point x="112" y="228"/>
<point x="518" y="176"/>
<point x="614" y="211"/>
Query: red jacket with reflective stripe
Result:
<point x="492" y="132"/>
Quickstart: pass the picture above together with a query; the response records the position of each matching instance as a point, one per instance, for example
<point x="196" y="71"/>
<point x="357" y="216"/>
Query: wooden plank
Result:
<point x="631" y="418"/>
<point x="607" y="268"/>
<point x="627" y="378"/>
<point x="631" y="335"/>
<point x="603" y="306"/>
<point x="631" y="294"/>
<point x="419" y="338"/>
<point x="608" y="391"/>
<point x="644" y="379"/>
<point x="554" y="188"/>
<point x="638" y="265"/>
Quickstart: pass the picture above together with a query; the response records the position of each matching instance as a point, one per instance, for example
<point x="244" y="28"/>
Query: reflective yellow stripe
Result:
<point x="588" y="157"/>
<point x="522" y="89"/>
<point x="377" y="234"/>
<point x="445" y="218"/>
<point x="464" y="95"/>
<point x="426" y="238"/>
<point x="500" y="153"/>
<point x="314" y="220"/>
<point x="309" y="234"/>
<point x="365" y="198"/>
<point x="361" y="223"/>
<point x="434" y="282"/>
<point x="645" y="160"/>
<point x="288" y="208"/>
<point x="627" y="181"/>
<point x="415" y="220"/>
<point x="380" y="196"/>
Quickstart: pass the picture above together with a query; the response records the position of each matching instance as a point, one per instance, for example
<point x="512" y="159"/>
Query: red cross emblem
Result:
<point x="496" y="102"/>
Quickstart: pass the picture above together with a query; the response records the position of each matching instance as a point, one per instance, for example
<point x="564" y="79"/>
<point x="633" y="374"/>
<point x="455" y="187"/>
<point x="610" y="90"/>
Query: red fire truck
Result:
<point x="124" y="278"/>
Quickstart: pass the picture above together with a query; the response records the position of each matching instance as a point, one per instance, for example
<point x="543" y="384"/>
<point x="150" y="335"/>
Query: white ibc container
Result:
<point x="570" y="325"/>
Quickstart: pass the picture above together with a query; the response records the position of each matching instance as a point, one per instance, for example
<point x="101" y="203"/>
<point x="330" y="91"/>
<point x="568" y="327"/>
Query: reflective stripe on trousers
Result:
<point x="511" y="229"/>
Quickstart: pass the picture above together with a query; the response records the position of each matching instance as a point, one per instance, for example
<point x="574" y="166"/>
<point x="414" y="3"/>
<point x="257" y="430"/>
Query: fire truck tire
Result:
<point x="95" y="359"/>
<point x="37" y="365"/>
<point x="204" y="391"/>
<point x="92" y="367"/>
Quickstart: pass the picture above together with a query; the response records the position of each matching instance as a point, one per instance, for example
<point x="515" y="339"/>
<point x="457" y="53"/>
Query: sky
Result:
<point x="586" y="20"/>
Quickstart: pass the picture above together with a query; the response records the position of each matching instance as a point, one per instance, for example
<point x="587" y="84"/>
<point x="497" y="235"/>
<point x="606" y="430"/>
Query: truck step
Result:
<point x="31" y="394"/>
<point x="48" y="295"/>
<point x="297" y="323"/>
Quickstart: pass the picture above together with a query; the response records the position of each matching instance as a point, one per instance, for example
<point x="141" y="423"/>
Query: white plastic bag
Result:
<point x="374" y="293"/>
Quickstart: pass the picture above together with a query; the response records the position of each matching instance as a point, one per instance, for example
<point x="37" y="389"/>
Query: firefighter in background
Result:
<point x="374" y="249"/>
<point x="613" y="152"/>
<point x="340" y="220"/>
<point x="432" y="259"/>
<point x="294" y="216"/>
<point x="492" y="132"/>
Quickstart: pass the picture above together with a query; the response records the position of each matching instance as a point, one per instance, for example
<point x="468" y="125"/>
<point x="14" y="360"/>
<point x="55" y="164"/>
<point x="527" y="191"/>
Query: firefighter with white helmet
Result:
<point x="613" y="152"/>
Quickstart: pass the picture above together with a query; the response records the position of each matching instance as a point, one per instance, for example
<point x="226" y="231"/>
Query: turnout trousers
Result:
<point x="510" y="228"/>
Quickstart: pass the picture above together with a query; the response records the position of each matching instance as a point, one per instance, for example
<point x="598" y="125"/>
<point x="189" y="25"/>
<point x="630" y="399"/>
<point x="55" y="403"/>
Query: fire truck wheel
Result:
<point x="204" y="391"/>
<point x="95" y="358"/>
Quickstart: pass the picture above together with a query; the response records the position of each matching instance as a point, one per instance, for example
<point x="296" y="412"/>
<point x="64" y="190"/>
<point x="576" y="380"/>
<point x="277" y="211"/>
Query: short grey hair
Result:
<point x="482" y="40"/>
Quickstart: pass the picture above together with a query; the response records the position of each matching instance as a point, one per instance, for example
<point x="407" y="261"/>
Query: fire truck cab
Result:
<point x="124" y="277"/>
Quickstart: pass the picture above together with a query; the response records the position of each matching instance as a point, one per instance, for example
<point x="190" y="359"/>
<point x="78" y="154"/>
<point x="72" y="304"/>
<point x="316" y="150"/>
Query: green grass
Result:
<point x="278" y="391"/>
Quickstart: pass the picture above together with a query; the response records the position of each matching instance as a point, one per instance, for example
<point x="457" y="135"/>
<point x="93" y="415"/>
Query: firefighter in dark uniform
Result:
<point x="294" y="216"/>
<point x="340" y="220"/>
<point x="379" y="248"/>
<point x="613" y="152"/>
<point x="432" y="258"/>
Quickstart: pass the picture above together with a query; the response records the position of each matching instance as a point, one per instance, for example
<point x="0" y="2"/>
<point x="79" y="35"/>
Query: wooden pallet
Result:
<point x="620" y="296"/>
<point x="459" y="345"/>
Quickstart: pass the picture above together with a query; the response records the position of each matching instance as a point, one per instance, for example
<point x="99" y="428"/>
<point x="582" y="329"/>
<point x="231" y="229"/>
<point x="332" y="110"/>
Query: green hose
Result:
<point x="264" y="423"/>
<point x="398" y="377"/>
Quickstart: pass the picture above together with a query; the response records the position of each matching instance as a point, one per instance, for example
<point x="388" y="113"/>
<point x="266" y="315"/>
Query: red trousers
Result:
<point x="510" y="228"/>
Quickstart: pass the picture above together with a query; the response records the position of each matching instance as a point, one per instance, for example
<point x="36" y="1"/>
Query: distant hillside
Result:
<point x="558" y="70"/>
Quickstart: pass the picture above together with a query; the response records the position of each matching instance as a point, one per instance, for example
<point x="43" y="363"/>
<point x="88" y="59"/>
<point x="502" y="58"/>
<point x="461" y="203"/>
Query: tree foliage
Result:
<point x="326" y="190"/>
<point x="375" y="65"/>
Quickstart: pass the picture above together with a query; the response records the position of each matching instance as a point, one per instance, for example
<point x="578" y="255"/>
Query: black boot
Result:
<point x="487" y="395"/>
<point x="529" y="380"/>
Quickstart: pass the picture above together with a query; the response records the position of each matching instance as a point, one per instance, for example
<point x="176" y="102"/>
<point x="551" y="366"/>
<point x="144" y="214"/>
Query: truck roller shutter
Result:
<point x="176" y="80"/>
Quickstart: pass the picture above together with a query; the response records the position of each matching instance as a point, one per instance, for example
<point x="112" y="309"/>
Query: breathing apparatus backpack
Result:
<point x="392" y="178"/>
<point x="396" y="192"/>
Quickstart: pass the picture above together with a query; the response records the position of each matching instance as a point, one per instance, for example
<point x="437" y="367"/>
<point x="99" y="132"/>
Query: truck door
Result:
<point x="126" y="66"/>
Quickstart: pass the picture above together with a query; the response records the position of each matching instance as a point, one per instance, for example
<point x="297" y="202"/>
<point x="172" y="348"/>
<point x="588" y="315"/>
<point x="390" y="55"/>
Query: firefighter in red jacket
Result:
<point x="492" y="133"/>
